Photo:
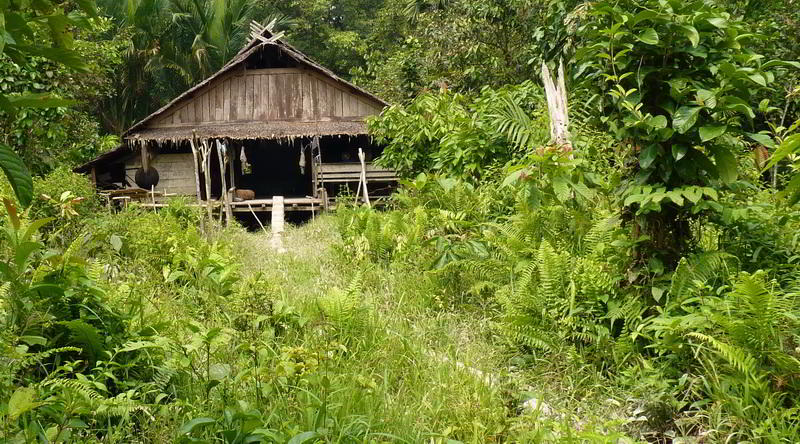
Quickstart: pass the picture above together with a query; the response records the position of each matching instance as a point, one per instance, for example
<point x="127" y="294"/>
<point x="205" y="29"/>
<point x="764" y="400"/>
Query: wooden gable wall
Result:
<point x="285" y="94"/>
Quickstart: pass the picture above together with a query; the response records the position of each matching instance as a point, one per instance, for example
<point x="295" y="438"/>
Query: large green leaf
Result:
<point x="712" y="132"/>
<point x="649" y="36"/>
<point x="780" y="63"/>
<point x="21" y="402"/>
<point x="726" y="164"/>
<point x="762" y="139"/>
<point x="648" y="156"/>
<point x="685" y="118"/>
<point x="692" y="34"/>
<point x="304" y="438"/>
<point x="679" y="151"/>
<point x="561" y="187"/>
<point x="17" y="174"/>
<point x="191" y="425"/>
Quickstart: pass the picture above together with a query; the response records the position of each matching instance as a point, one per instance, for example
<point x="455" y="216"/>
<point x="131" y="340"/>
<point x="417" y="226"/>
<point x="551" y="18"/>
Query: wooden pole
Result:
<point x="196" y="166"/>
<point x="257" y="219"/>
<point x="206" y="150"/>
<point x="361" y="157"/>
<point x="222" y="156"/>
<point x="234" y="154"/>
<point x="198" y="192"/>
<point x="277" y="223"/>
<point x="145" y="158"/>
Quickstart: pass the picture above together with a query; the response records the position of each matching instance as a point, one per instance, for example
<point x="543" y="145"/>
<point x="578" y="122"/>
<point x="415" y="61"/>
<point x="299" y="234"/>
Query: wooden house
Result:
<point x="285" y="125"/>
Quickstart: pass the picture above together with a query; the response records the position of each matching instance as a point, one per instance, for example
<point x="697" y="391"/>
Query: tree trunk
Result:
<point x="556" y="93"/>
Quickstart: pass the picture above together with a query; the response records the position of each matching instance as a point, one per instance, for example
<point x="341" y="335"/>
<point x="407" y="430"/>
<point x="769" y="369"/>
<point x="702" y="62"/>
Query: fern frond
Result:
<point x="701" y="269"/>
<point x="77" y="386"/>
<point x="35" y="358"/>
<point x="736" y="357"/>
<point x="525" y="331"/>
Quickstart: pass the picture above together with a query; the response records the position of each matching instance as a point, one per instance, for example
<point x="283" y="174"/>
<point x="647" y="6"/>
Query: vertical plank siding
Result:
<point x="270" y="95"/>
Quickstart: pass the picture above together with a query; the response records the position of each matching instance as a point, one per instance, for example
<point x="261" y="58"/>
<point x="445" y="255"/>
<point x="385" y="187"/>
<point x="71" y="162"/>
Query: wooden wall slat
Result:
<point x="242" y="105"/>
<point x="298" y="96"/>
<point x="264" y="105"/>
<point x="235" y="98"/>
<point x="363" y="109"/>
<point x="283" y="101"/>
<point x="308" y="106"/>
<point x="268" y="95"/>
<point x="331" y="101"/>
<point x="315" y="98"/>
<point x="248" y="113"/>
<point x="274" y="97"/>
<point x="220" y="103"/>
<point x="257" y="100"/>
<point x="337" y="102"/>
<point x="346" y="105"/>
<point x="325" y="104"/>
<point x="226" y="100"/>
<point x="212" y="104"/>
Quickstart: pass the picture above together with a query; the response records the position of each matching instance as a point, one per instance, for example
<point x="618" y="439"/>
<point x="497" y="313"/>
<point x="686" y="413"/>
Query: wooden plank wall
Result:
<point x="286" y="94"/>
<point x="175" y="172"/>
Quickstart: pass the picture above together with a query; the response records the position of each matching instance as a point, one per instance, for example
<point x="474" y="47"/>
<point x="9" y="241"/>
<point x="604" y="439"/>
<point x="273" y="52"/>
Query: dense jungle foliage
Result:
<point x="641" y="284"/>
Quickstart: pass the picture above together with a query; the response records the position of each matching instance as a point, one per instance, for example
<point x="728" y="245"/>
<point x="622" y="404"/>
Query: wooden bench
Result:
<point x="351" y="172"/>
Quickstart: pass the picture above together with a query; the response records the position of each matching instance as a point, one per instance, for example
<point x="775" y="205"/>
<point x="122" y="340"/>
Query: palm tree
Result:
<point x="173" y="45"/>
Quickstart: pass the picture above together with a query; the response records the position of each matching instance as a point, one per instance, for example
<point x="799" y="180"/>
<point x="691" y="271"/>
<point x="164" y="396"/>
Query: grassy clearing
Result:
<point x="413" y="372"/>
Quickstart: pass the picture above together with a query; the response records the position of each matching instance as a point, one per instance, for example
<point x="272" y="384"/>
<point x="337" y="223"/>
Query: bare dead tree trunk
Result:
<point x="556" y="93"/>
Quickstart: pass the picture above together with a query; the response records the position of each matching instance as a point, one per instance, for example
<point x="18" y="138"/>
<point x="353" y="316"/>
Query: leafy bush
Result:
<point x="458" y="136"/>
<point x="679" y="78"/>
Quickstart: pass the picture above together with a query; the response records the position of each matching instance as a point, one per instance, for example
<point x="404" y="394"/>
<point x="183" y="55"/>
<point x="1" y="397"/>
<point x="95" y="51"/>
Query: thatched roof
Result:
<point x="251" y="130"/>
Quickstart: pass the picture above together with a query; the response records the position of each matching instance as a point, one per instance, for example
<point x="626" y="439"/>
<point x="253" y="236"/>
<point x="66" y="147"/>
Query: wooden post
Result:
<point x="361" y="157"/>
<point x="94" y="175"/>
<point x="556" y="93"/>
<point x="232" y="166"/>
<point x="277" y="224"/>
<point x="196" y="166"/>
<point x="145" y="158"/>
<point x="222" y="155"/>
<point x="205" y="153"/>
